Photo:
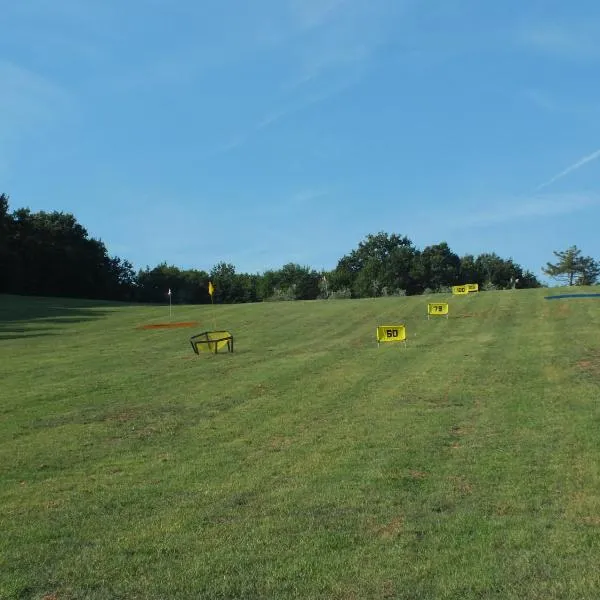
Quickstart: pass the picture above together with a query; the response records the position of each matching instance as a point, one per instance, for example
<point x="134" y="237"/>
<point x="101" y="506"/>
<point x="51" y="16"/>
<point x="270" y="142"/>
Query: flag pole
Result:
<point x="211" y="291"/>
<point x="170" y="308"/>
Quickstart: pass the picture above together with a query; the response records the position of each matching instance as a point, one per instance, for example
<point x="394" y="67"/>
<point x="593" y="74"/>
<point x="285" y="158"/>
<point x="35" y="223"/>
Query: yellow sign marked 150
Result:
<point x="437" y="308"/>
<point x="472" y="287"/>
<point x="391" y="333"/>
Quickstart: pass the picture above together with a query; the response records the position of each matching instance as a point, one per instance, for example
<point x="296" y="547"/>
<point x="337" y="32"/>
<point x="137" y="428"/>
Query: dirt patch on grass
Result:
<point x="461" y="485"/>
<point x="552" y="374"/>
<point x="346" y="595"/>
<point x="459" y="431"/>
<point x="507" y="508"/>
<point x="418" y="474"/>
<point x="123" y="416"/>
<point x="388" y="590"/>
<point x="391" y="529"/>
<point x="456" y="433"/>
<point x="590" y="365"/>
<point x="584" y="508"/>
<point x="169" y="325"/>
<point x="279" y="443"/>
<point x="469" y="315"/>
<point x="260" y="390"/>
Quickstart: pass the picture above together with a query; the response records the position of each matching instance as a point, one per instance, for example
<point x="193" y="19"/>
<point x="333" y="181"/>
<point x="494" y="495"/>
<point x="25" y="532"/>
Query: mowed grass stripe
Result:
<point x="313" y="466"/>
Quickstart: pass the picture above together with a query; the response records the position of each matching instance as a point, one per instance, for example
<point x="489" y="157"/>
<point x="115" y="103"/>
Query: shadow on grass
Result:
<point x="70" y="320"/>
<point x="20" y="336"/>
<point x="26" y="316"/>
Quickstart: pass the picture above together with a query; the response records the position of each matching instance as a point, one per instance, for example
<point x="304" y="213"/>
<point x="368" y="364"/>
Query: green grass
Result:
<point x="308" y="464"/>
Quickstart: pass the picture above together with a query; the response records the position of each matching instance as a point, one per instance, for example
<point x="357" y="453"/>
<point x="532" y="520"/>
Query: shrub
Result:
<point x="386" y="291"/>
<point x="282" y="295"/>
<point x="343" y="294"/>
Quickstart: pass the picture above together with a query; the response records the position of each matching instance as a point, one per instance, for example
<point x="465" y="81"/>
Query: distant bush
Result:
<point x="343" y="294"/>
<point x="439" y="290"/>
<point x="388" y="291"/>
<point x="282" y="294"/>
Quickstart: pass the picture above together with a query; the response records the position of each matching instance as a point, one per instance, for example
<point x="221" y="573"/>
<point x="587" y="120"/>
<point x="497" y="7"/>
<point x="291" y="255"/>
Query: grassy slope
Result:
<point x="310" y="463"/>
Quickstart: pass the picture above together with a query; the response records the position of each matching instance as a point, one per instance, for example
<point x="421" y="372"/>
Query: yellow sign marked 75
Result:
<point x="437" y="308"/>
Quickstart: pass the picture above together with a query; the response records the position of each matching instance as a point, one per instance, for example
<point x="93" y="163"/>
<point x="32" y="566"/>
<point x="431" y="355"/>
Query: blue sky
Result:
<point x="261" y="132"/>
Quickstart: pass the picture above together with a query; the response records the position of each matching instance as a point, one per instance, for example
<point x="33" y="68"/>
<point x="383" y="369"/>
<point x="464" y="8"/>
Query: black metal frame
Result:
<point x="195" y="340"/>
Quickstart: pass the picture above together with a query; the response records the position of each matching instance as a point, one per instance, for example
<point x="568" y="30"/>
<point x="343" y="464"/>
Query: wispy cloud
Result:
<point x="279" y="28"/>
<point x="328" y="46"/>
<point x="580" y="163"/>
<point x="540" y="99"/>
<point x="28" y="104"/>
<point x="273" y="117"/>
<point x="343" y="35"/>
<point x="293" y="206"/>
<point x="517" y="209"/>
<point x="308" y="14"/>
<point x="27" y="98"/>
<point x="573" y="40"/>
<point x="301" y="198"/>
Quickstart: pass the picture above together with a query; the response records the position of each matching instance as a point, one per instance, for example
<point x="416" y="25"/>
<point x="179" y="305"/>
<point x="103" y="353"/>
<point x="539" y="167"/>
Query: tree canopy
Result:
<point x="50" y="253"/>
<point x="573" y="268"/>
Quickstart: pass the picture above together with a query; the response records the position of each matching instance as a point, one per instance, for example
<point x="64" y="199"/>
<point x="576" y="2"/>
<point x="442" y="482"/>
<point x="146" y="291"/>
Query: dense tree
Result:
<point x="590" y="271"/>
<point x="439" y="267"/>
<point x="249" y="288"/>
<point x="187" y="287"/>
<point x="382" y="264"/>
<point x="50" y="253"/>
<point x="573" y="268"/>
<point x="468" y="272"/>
<point x="291" y="282"/>
<point x="528" y="280"/>
<point x="120" y="278"/>
<point x="5" y="235"/>
<point x="226" y="282"/>
<point x="302" y="282"/>
<point x="500" y="273"/>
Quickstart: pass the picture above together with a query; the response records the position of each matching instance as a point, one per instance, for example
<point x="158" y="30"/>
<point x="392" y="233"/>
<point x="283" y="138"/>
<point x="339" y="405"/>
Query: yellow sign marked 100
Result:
<point x="459" y="290"/>
<point x="391" y="333"/>
<point x="437" y="308"/>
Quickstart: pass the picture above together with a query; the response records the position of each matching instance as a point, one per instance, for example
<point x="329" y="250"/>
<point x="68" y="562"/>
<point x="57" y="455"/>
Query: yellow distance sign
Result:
<point x="391" y="333"/>
<point x="460" y="290"/>
<point x="437" y="308"/>
<point x="472" y="287"/>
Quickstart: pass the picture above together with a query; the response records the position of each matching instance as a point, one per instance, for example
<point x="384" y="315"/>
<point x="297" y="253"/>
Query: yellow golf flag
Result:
<point x="211" y="288"/>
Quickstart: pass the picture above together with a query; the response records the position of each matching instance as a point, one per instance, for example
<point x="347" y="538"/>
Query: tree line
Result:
<point x="51" y="254"/>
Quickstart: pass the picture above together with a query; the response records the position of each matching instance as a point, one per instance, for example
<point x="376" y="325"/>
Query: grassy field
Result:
<point x="309" y="463"/>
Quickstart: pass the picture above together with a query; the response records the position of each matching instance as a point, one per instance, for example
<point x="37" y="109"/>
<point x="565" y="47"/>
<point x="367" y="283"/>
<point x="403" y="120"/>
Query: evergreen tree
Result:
<point x="573" y="268"/>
